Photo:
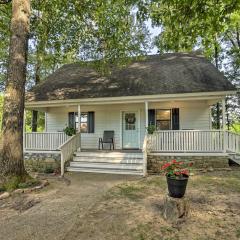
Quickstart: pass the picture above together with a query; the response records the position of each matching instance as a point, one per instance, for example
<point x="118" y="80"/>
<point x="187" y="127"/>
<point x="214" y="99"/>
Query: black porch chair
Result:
<point x="108" y="137"/>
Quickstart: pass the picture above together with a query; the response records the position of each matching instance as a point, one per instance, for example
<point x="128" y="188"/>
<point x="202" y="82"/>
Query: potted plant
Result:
<point x="151" y="129"/>
<point x="177" y="174"/>
<point x="69" y="131"/>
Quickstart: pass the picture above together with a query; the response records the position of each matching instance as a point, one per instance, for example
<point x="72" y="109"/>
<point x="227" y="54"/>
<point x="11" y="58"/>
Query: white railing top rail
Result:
<point x="44" y="132"/>
<point x="66" y="143"/>
<point x="238" y="134"/>
<point x="189" y="130"/>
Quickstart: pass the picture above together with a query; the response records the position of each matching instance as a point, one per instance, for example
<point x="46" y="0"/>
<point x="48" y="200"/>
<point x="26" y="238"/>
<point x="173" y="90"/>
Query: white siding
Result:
<point x="193" y="115"/>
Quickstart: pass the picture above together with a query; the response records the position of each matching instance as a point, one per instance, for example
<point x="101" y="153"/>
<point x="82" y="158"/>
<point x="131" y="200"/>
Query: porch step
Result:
<point x="109" y="154"/>
<point x="107" y="162"/>
<point x="111" y="171"/>
<point x="107" y="165"/>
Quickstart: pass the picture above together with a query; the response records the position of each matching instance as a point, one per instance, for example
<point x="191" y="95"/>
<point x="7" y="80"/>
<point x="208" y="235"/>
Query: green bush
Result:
<point x="151" y="129"/>
<point x="19" y="182"/>
<point x="49" y="169"/>
<point x="69" y="131"/>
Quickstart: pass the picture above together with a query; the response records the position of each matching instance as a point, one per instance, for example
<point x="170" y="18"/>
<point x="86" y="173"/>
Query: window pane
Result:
<point x="84" y="122"/>
<point x="84" y="117"/>
<point x="163" y="125"/>
<point x="84" y="128"/>
<point x="163" y="115"/>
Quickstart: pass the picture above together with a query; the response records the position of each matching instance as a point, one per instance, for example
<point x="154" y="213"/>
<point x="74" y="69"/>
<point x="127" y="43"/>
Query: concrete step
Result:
<point x="110" y="171"/>
<point x="107" y="160"/>
<point x="101" y="154"/>
<point x="114" y="166"/>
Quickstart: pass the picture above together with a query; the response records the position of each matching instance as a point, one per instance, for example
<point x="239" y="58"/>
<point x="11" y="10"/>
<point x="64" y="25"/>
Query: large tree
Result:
<point x="212" y="26"/>
<point x="11" y="163"/>
<point x="62" y="31"/>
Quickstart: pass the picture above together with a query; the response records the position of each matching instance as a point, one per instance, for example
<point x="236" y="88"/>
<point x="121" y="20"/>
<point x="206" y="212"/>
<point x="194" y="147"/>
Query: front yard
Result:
<point x="107" y="207"/>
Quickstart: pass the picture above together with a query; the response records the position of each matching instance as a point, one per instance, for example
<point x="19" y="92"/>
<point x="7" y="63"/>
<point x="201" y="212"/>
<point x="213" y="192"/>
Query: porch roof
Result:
<point x="171" y="73"/>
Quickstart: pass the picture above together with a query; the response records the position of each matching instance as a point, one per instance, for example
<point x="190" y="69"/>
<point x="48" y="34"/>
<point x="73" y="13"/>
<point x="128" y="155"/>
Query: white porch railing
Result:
<point x="67" y="150"/>
<point x="44" y="141"/>
<point x="232" y="142"/>
<point x="188" y="141"/>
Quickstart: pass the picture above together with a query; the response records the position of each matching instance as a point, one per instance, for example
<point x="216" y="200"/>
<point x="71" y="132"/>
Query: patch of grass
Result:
<point x="133" y="191"/>
<point x="148" y="231"/>
<point x="227" y="181"/>
<point x="29" y="183"/>
<point x="156" y="181"/>
<point x="238" y="233"/>
<point x="15" y="182"/>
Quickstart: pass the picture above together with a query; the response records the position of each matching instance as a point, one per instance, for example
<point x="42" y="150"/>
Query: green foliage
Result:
<point x="40" y="124"/>
<point x="70" y="131"/>
<point x="151" y="129"/>
<point x="235" y="127"/>
<point x="48" y="169"/>
<point x="16" y="182"/>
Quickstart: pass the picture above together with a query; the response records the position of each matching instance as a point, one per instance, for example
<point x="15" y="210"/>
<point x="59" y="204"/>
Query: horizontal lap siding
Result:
<point x="193" y="115"/>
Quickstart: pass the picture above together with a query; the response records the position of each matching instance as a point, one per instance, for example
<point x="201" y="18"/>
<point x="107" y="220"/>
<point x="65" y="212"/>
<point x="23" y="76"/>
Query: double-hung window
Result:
<point x="87" y="122"/>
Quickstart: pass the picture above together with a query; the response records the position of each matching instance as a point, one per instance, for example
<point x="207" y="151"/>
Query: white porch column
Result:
<point x="223" y="114"/>
<point x="45" y="121"/>
<point x="146" y="114"/>
<point x="79" y="125"/>
<point x="224" y="125"/>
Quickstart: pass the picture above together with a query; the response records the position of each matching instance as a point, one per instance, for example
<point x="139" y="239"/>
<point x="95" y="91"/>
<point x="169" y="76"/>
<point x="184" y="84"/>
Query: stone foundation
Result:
<point x="199" y="162"/>
<point x="42" y="162"/>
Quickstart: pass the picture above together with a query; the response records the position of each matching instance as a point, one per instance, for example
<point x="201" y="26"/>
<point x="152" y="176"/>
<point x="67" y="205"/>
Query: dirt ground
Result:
<point x="52" y="212"/>
<point x="111" y="207"/>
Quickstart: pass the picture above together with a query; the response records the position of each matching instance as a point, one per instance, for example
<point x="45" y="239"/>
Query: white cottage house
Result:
<point x="174" y="92"/>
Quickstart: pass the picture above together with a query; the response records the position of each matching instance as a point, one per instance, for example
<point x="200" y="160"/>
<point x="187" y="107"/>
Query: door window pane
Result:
<point x="130" y="121"/>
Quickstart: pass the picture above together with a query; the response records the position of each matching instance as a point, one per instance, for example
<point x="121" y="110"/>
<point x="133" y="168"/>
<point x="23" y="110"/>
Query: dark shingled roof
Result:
<point x="158" y="74"/>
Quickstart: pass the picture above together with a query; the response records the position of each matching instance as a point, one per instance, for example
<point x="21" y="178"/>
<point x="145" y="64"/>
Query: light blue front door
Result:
<point x="130" y="130"/>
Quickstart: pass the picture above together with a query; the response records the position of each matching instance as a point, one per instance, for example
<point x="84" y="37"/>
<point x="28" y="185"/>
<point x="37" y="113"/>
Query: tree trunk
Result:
<point x="175" y="209"/>
<point x="216" y="56"/>
<point x="34" y="112"/>
<point x="12" y="163"/>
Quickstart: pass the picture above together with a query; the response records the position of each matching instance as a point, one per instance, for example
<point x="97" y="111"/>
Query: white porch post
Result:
<point x="79" y="125"/>
<point x="223" y="125"/>
<point x="146" y="114"/>
<point x="45" y="121"/>
<point x="223" y="114"/>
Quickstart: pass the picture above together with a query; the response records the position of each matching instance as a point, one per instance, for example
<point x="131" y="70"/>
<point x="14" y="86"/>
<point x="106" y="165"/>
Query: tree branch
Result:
<point x="5" y="1"/>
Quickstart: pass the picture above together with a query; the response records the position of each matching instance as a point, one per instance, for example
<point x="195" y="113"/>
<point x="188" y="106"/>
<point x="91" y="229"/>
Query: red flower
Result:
<point x="166" y="166"/>
<point x="176" y="168"/>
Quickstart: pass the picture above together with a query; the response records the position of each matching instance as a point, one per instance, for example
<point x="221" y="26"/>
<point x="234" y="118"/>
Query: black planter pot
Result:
<point x="177" y="187"/>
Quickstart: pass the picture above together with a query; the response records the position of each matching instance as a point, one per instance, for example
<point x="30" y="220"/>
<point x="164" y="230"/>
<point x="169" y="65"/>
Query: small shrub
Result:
<point x="151" y="129"/>
<point x="12" y="183"/>
<point x="2" y="189"/>
<point x="49" y="169"/>
<point x="69" y="131"/>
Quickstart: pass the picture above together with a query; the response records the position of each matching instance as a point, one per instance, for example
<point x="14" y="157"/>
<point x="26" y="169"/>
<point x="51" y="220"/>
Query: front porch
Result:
<point x="211" y="143"/>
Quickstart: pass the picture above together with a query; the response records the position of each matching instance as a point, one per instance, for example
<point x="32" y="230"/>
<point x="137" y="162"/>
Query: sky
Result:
<point x="154" y="31"/>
